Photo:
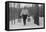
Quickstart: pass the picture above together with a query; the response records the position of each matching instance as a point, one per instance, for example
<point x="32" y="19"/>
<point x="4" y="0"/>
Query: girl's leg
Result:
<point x="24" y="19"/>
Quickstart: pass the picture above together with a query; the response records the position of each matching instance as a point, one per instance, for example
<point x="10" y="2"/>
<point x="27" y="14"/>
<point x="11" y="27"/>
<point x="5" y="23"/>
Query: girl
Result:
<point x="24" y="14"/>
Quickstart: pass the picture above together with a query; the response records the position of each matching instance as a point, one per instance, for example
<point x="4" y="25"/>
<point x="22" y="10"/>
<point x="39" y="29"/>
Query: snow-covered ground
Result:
<point x="19" y="23"/>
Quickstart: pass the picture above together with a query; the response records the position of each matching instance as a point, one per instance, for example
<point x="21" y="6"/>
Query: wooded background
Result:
<point x="15" y="12"/>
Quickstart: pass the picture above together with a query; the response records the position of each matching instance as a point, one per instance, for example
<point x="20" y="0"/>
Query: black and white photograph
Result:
<point x="24" y="15"/>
